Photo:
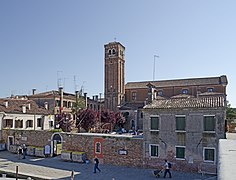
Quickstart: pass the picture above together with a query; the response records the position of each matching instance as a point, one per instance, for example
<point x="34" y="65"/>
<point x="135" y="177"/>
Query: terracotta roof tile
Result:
<point x="201" y="102"/>
<point x="15" y="106"/>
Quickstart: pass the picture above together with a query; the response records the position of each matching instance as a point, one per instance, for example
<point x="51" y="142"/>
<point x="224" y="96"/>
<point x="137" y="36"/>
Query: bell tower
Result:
<point x="114" y="86"/>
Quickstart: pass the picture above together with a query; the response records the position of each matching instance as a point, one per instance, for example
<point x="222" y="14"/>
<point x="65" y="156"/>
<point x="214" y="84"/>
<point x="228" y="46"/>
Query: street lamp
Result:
<point x="154" y="65"/>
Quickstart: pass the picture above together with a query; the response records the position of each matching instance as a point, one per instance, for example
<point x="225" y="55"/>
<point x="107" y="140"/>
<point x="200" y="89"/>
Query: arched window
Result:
<point x="98" y="148"/>
<point x="109" y="51"/>
<point x="113" y="51"/>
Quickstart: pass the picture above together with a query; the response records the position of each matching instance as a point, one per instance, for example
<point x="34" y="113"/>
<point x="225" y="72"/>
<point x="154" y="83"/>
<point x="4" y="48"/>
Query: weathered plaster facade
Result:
<point x="194" y="139"/>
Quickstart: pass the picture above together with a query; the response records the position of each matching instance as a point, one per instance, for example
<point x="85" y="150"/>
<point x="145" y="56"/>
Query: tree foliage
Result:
<point x="230" y="113"/>
<point x="78" y="105"/>
<point x="65" y="122"/>
<point x="86" y="119"/>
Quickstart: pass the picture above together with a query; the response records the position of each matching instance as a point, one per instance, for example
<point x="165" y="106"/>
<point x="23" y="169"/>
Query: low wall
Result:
<point x="116" y="150"/>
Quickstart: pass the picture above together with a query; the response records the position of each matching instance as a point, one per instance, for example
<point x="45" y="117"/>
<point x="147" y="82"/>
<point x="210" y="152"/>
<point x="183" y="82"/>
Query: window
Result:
<point x="39" y="122"/>
<point x="109" y="52"/>
<point x="185" y="91"/>
<point x="9" y="123"/>
<point x="153" y="150"/>
<point x="154" y="123"/>
<point x="69" y="104"/>
<point x="210" y="89"/>
<point x="180" y="152"/>
<point x="160" y="93"/>
<point x="29" y="123"/>
<point x="98" y="148"/>
<point x="19" y="123"/>
<point x="50" y="124"/>
<point x="209" y="123"/>
<point x="113" y="51"/>
<point x="141" y="115"/>
<point x="134" y="95"/>
<point x="209" y="154"/>
<point x="180" y="123"/>
<point x="58" y="103"/>
<point x="64" y="103"/>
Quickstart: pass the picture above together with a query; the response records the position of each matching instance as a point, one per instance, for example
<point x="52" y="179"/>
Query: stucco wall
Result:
<point x="195" y="139"/>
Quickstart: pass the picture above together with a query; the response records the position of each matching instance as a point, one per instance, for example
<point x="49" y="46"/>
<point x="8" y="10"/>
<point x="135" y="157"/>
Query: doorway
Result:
<point x="56" y="144"/>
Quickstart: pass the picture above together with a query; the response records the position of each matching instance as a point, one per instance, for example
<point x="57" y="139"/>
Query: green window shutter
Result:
<point x="209" y="155"/>
<point x="154" y="123"/>
<point x="180" y="123"/>
<point x="154" y="150"/>
<point x="180" y="152"/>
<point x="209" y="123"/>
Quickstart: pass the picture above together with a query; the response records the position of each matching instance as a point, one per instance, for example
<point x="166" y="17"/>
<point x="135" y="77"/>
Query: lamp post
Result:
<point x="154" y="66"/>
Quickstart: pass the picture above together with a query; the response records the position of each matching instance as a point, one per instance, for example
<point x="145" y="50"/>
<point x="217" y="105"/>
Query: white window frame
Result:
<point x="185" y="123"/>
<point x="158" y="122"/>
<point x="215" y="123"/>
<point x="204" y="148"/>
<point x="177" y="158"/>
<point x="157" y="145"/>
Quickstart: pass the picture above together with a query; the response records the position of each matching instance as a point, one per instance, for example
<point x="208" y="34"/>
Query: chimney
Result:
<point x="150" y="93"/>
<point x="29" y="106"/>
<point x="86" y="100"/>
<point x="76" y="94"/>
<point x="6" y="104"/>
<point x="33" y="91"/>
<point x="96" y="98"/>
<point x="24" y="108"/>
<point x="61" y="98"/>
<point x="46" y="105"/>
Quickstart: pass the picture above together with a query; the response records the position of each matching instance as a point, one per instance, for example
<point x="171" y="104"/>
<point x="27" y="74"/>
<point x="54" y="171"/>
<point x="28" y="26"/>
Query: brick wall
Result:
<point x="111" y="145"/>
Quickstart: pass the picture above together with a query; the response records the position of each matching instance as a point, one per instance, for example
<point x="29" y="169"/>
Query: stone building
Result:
<point x="185" y="130"/>
<point x="58" y="102"/>
<point x="24" y="114"/>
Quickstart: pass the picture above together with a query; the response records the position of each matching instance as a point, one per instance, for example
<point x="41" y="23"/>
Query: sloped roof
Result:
<point x="200" y="102"/>
<point x="179" y="82"/>
<point x="50" y="94"/>
<point x="15" y="106"/>
<point x="131" y="106"/>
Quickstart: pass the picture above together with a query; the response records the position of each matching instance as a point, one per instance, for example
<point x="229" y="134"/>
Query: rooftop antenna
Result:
<point x="75" y="84"/>
<point x="154" y="66"/>
<point x="115" y="39"/>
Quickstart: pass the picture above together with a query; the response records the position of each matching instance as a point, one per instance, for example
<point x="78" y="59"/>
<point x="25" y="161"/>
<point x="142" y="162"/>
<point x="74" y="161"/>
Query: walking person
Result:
<point x="19" y="152"/>
<point x="167" y="167"/>
<point x="24" y="148"/>
<point x="96" y="162"/>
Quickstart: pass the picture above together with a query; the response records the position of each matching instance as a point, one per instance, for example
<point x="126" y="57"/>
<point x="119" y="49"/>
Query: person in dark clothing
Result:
<point x="19" y="152"/>
<point x="167" y="169"/>
<point x="24" y="148"/>
<point x="96" y="162"/>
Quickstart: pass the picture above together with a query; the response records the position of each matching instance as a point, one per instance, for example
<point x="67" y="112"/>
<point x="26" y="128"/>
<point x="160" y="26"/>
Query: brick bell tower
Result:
<point x="114" y="75"/>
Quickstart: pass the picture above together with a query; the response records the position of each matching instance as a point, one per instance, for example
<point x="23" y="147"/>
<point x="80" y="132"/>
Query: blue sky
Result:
<point x="46" y="42"/>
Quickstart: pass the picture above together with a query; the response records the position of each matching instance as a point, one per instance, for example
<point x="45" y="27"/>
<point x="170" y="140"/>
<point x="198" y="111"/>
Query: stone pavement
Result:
<point x="55" y="168"/>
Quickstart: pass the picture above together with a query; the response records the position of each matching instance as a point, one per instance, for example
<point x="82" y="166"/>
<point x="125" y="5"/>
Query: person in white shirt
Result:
<point x="167" y="169"/>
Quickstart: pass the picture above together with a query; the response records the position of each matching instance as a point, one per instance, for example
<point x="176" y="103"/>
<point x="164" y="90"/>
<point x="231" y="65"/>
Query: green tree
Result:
<point x="86" y="119"/>
<point x="230" y="113"/>
<point x="65" y="122"/>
